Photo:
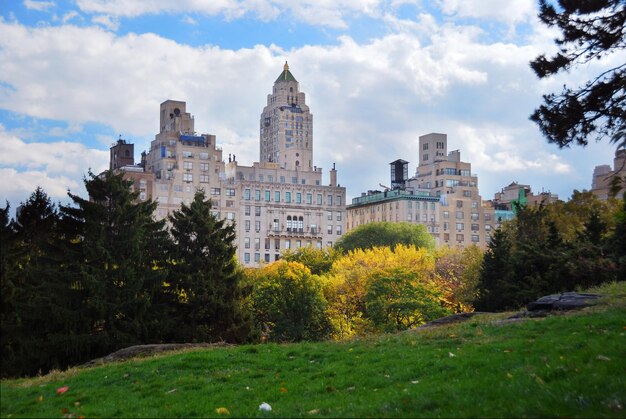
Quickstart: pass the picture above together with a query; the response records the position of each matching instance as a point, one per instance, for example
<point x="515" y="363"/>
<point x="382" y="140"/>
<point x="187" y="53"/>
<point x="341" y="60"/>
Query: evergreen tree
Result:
<point x="114" y="253"/>
<point x="495" y="286"/>
<point x="205" y="276"/>
<point x="590" y="30"/>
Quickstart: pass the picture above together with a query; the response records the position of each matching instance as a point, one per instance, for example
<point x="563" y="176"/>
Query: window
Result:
<point x="257" y="243"/>
<point x="309" y="198"/>
<point x="446" y="225"/>
<point x="487" y="227"/>
<point x="338" y="215"/>
<point x="277" y="244"/>
<point x="276" y="225"/>
<point x="287" y="244"/>
<point x="230" y="215"/>
<point x="288" y="197"/>
<point x="425" y="156"/>
<point x="204" y="156"/>
<point x="277" y="196"/>
<point x="475" y="238"/>
<point x="187" y="177"/>
<point x="464" y="172"/>
<point x="267" y="244"/>
<point x="247" y="210"/>
<point x="467" y="193"/>
<point x="187" y="165"/>
<point x="246" y="257"/>
<point x="474" y="204"/>
<point x="230" y="203"/>
<point x="319" y="199"/>
<point x="330" y="200"/>
<point x="247" y="225"/>
<point x="459" y="204"/>
<point x="294" y="180"/>
<point x="215" y="191"/>
<point x="246" y="194"/>
<point x="257" y="211"/>
<point x="338" y="200"/>
<point x="459" y="215"/>
<point x="270" y="178"/>
<point x="487" y="216"/>
<point x="230" y="192"/>
<point x="257" y="195"/>
<point x="474" y="216"/>
<point x="460" y="226"/>
<point x="298" y="198"/>
<point x="267" y="196"/>
<point x="187" y="154"/>
<point x="204" y="178"/>
<point x="459" y="238"/>
<point x="246" y="242"/>
<point x="257" y="257"/>
<point x="329" y="215"/>
<point x="474" y="227"/>
<point x="425" y="146"/>
<point x="446" y="214"/>
<point x="339" y="230"/>
<point x="282" y="179"/>
<point x="330" y="229"/>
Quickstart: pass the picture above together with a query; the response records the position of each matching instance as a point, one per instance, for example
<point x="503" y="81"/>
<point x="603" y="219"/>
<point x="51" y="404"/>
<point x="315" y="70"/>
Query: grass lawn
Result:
<point x="570" y="365"/>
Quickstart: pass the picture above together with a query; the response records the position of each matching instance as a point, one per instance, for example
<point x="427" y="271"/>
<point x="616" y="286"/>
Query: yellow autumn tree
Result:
<point x="383" y="289"/>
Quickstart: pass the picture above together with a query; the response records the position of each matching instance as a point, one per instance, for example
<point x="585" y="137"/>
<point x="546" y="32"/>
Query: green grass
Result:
<point x="572" y="365"/>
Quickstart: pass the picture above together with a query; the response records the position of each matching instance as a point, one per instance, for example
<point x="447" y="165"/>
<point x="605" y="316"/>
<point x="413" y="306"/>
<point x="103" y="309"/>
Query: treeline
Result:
<point x="83" y="280"/>
<point x="554" y="248"/>
<point x="86" y="279"/>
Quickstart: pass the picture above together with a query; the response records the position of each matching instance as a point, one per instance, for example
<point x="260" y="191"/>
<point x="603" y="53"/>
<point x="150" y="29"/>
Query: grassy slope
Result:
<point x="570" y="365"/>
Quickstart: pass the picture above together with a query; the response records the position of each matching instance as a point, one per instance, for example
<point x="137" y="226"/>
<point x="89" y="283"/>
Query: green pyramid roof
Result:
<point x="286" y="75"/>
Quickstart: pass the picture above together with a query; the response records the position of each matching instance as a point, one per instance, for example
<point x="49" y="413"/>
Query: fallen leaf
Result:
<point x="451" y="355"/>
<point x="415" y="382"/>
<point x="172" y="390"/>
<point x="539" y="380"/>
<point x="603" y="358"/>
<point x="222" y="411"/>
<point x="508" y="374"/>
<point x="265" y="407"/>
<point x="313" y="412"/>
<point x="40" y="398"/>
<point x="62" y="390"/>
<point x="283" y="390"/>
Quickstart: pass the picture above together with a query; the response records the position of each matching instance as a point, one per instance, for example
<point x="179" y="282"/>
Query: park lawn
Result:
<point x="569" y="365"/>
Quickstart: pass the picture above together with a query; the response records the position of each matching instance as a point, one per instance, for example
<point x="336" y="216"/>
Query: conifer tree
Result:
<point x="114" y="253"/>
<point x="205" y="275"/>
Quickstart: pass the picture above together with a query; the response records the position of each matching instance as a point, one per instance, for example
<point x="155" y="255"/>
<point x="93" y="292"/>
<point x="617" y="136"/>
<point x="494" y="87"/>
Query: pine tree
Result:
<point x="205" y="275"/>
<point x="114" y="253"/>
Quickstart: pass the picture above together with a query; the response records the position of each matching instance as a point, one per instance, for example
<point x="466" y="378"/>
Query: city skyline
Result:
<point x="378" y="74"/>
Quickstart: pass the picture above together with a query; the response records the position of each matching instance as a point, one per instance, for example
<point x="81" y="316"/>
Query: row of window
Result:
<point x="290" y="197"/>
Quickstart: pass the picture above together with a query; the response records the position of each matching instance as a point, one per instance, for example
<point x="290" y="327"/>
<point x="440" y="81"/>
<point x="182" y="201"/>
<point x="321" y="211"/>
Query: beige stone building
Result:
<point x="278" y="203"/>
<point x="603" y="176"/>
<point x="443" y="195"/>
<point x="522" y="194"/>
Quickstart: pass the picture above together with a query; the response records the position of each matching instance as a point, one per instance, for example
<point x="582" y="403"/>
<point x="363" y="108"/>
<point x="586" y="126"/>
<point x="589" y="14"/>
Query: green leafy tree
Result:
<point x="205" y="276"/>
<point x="319" y="261"/>
<point x="113" y="253"/>
<point x="400" y="301"/>
<point x="590" y="30"/>
<point x="385" y="234"/>
<point x="288" y="304"/>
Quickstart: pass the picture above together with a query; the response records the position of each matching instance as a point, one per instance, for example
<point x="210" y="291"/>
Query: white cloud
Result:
<point x="109" y="22"/>
<point x="69" y="16"/>
<point x="510" y="11"/>
<point x="331" y="13"/>
<point x="56" y="167"/>
<point x="40" y="6"/>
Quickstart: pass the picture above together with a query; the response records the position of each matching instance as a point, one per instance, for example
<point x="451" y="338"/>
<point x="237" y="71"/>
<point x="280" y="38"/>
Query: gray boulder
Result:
<point x="563" y="301"/>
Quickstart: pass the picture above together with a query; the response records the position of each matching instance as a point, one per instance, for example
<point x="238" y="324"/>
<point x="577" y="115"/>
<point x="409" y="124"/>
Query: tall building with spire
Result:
<point x="287" y="126"/>
<point x="278" y="203"/>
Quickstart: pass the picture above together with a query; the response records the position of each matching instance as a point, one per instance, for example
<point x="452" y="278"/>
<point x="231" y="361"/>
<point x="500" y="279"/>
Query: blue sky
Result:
<point x="74" y="75"/>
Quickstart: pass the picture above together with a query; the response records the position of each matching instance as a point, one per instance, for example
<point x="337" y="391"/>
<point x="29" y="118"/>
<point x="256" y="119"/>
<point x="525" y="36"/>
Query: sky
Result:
<point x="75" y="75"/>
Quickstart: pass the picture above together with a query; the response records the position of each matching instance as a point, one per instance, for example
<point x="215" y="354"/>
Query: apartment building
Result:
<point x="280" y="202"/>
<point x="443" y="195"/>
<point x="603" y="176"/>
